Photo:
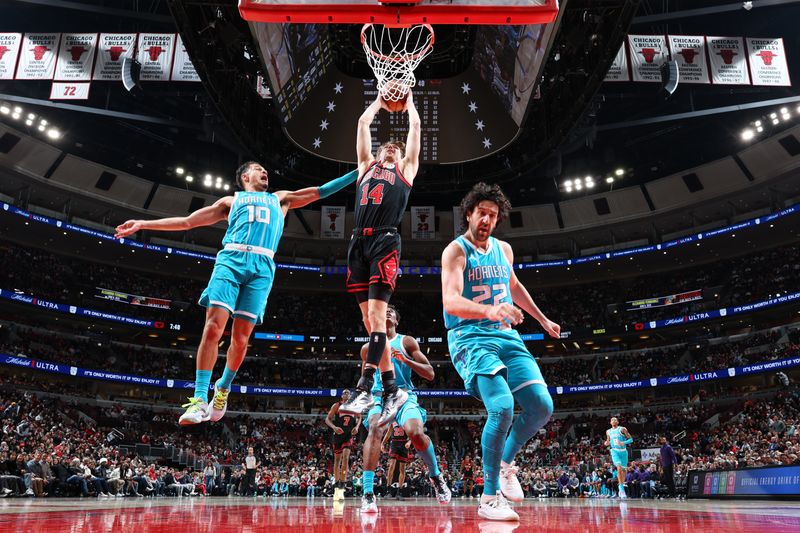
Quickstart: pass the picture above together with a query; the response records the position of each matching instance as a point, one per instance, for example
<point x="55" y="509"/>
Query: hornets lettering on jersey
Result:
<point x="244" y="269"/>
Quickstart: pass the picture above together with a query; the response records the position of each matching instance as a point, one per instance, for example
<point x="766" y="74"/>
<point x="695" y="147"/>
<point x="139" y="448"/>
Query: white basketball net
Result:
<point x="393" y="54"/>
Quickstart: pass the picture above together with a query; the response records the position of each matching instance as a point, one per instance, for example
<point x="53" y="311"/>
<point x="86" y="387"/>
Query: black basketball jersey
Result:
<point x="346" y="422"/>
<point x="398" y="435"/>
<point x="381" y="197"/>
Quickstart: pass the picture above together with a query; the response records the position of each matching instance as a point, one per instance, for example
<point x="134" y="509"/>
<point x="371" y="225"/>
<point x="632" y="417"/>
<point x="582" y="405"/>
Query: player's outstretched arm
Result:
<point x="521" y="297"/>
<point x="453" y="265"/>
<point x="303" y="197"/>
<point x="205" y="216"/>
<point x="364" y="137"/>
<point x="413" y="141"/>
<point x="416" y="360"/>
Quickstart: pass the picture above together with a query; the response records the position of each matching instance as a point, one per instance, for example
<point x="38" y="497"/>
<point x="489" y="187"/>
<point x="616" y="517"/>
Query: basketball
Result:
<point x="394" y="96"/>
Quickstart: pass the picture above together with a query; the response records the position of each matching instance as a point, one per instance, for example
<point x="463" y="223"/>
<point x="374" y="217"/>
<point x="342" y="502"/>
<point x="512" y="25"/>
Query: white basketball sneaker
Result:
<point x="219" y="403"/>
<point x="368" y="504"/>
<point x="509" y="484"/>
<point x="196" y="412"/>
<point x="496" y="508"/>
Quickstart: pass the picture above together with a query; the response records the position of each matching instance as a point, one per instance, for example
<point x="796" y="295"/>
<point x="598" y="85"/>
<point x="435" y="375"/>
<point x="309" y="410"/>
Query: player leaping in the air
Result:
<point x="618" y="438"/>
<point x="479" y="294"/>
<point x="243" y="272"/>
<point x="373" y="257"/>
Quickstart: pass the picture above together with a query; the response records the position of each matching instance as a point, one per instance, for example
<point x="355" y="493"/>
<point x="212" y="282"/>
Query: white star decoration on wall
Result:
<point x="473" y="107"/>
<point x="338" y="88"/>
<point x="465" y="88"/>
<point x="487" y="143"/>
<point x="323" y="125"/>
<point x="317" y="142"/>
<point x="331" y="106"/>
<point x="479" y="125"/>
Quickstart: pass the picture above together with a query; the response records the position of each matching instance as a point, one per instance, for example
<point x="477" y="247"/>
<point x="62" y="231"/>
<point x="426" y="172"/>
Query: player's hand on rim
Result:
<point x="552" y="329"/>
<point x="129" y="227"/>
<point x="504" y="313"/>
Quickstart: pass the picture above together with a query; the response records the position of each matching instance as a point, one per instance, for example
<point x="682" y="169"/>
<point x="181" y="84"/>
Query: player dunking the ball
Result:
<point x="618" y="439"/>
<point x="243" y="272"/>
<point x="345" y="427"/>
<point x="406" y="358"/>
<point x="373" y="257"/>
<point x="479" y="291"/>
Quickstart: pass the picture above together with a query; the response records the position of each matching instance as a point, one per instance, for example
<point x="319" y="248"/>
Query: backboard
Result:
<point x="406" y="12"/>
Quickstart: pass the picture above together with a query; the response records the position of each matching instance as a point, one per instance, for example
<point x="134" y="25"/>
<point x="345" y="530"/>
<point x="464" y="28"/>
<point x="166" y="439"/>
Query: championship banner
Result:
<point x="728" y="61"/>
<point x="38" y="58"/>
<point x="9" y="52"/>
<point x="664" y="301"/>
<point x="155" y="55"/>
<point x="423" y="223"/>
<point x="182" y="68"/>
<point x="111" y="50"/>
<point x="332" y="222"/>
<point x="618" y="71"/>
<point x="648" y="53"/>
<point x="75" y="57"/>
<point x="690" y="53"/>
<point x="768" y="62"/>
<point x="459" y="223"/>
<point x="132" y="299"/>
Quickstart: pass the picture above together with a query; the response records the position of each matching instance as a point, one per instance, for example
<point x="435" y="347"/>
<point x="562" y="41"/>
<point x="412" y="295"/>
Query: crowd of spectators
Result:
<point x="75" y="448"/>
<point x="90" y="353"/>
<point x="729" y="281"/>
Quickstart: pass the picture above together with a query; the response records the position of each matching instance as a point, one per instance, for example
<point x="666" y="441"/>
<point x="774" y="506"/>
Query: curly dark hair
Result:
<point x="243" y="169"/>
<point x="400" y="145"/>
<point x="482" y="191"/>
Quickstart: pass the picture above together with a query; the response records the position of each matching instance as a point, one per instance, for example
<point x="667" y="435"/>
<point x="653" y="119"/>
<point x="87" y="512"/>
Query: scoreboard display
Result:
<point x="465" y="117"/>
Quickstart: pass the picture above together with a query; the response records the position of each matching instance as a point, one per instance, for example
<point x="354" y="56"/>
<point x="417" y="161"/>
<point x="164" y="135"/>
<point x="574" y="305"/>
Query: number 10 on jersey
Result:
<point x="258" y="213"/>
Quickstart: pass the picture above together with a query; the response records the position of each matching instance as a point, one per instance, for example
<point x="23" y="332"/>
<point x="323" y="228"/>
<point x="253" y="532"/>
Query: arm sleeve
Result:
<point x="628" y="441"/>
<point x="336" y="185"/>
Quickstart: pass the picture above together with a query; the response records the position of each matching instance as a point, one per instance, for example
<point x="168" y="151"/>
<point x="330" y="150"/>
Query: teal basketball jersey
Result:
<point x="402" y="372"/>
<point x="615" y="434"/>
<point x="255" y="219"/>
<point x="487" y="275"/>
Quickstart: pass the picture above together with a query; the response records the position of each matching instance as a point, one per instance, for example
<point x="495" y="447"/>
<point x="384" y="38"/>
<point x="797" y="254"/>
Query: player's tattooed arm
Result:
<point x="206" y="216"/>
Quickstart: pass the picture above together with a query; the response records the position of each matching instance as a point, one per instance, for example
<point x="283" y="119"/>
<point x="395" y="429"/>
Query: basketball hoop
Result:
<point x="394" y="53"/>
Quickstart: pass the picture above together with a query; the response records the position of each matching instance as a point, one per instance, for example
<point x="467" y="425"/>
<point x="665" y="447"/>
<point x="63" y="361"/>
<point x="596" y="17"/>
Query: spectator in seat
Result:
<point x="77" y="476"/>
<point x="209" y="474"/>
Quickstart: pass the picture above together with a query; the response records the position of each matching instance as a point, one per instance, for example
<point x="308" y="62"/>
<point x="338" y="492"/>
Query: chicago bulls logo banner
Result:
<point x="618" y="71"/>
<point x="111" y="50"/>
<point x="38" y="56"/>
<point x="332" y="222"/>
<point x="728" y="61"/>
<point x="76" y="56"/>
<point x="768" y="62"/>
<point x="156" y="51"/>
<point x="182" y="68"/>
<point x="690" y="53"/>
<point x="423" y="222"/>
<point x="9" y="51"/>
<point x="648" y="53"/>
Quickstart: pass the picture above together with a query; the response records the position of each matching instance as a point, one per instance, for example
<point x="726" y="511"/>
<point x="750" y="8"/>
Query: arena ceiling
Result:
<point x="580" y="126"/>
